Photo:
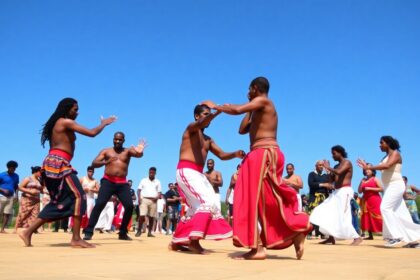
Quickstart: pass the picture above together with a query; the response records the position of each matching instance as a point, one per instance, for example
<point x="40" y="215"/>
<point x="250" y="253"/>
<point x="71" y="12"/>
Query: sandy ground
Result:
<point x="148" y="258"/>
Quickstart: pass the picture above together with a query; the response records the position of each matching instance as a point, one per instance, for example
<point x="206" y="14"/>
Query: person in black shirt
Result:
<point x="173" y="199"/>
<point x="317" y="181"/>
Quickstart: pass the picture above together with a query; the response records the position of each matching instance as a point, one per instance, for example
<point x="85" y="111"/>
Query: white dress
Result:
<point x="398" y="223"/>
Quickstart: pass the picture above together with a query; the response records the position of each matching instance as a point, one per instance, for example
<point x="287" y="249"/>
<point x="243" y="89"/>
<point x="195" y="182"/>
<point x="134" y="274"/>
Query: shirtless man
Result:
<point x="91" y="187"/>
<point x="204" y="219"/>
<point x="114" y="182"/>
<point x="333" y="216"/>
<point x="66" y="192"/>
<point x="262" y="170"/>
<point x="294" y="181"/>
<point x="215" y="178"/>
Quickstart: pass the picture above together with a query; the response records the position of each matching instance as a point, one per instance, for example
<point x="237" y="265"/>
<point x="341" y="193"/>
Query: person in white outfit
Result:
<point x="333" y="216"/>
<point x="91" y="187"/>
<point x="398" y="225"/>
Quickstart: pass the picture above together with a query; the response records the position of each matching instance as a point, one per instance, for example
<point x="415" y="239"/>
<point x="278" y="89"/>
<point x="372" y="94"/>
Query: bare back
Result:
<point x="343" y="179"/>
<point x="263" y="123"/>
<point x="63" y="138"/>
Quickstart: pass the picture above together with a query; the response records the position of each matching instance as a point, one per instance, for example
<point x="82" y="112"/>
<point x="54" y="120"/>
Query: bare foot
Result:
<point x="26" y="237"/>
<point x="357" y="241"/>
<point x="196" y="248"/>
<point x="254" y="254"/>
<point x="3" y="231"/>
<point x="299" y="248"/>
<point x="176" y="247"/>
<point x="81" y="244"/>
<point x="329" y="240"/>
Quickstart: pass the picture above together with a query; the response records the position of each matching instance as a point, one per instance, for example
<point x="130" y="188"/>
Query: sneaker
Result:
<point x="150" y="235"/>
<point x="392" y="243"/>
<point x="124" y="237"/>
<point x="138" y="233"/>
<point x="88" y="236"/>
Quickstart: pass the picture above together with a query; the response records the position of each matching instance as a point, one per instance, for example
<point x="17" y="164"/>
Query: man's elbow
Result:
<point x="243" y="131"/>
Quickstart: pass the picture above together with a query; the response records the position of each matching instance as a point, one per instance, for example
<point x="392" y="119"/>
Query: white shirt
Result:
<point x="149" y="188"/>
<point x="230" y="198"/>
<point x="160" y="205"/>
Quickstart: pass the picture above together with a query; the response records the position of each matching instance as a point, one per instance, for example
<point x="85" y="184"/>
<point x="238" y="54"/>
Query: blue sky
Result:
<point x="341" y="72"/>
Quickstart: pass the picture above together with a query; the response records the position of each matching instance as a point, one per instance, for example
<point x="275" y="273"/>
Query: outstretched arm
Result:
<point x="393" y="158"/>
<point x="74" y="126"/>
<point x="223" y="155"/>
<point x="253" y="105"/>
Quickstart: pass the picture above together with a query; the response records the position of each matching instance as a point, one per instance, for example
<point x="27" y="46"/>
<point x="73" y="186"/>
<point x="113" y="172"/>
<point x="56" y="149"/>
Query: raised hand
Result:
<point x="362" y="164"/>
<point x="209" y="103"/>
<point x="326" y="164"/>
<point x="109" y="120"/>
<point x="141" y="146"/>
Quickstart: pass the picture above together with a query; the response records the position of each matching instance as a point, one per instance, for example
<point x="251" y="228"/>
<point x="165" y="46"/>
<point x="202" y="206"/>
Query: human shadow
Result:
<point x="235" y="255"/>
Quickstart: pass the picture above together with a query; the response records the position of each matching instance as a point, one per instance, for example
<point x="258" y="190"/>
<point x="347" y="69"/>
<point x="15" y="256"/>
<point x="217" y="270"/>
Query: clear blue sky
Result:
<point x="341" y="72"/>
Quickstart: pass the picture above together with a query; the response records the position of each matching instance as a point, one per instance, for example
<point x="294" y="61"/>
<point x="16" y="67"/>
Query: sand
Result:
<point x="148" y="258"/>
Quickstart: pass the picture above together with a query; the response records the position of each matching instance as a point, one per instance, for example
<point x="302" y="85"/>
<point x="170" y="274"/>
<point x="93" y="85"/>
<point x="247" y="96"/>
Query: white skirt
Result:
<point x="398" y="223"/>
<point x="106" y="217"/>
<point x="333" y="216"/>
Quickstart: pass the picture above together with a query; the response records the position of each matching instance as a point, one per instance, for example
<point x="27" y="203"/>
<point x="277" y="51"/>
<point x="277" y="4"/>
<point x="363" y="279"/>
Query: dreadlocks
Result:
<point x="61" y="111"/>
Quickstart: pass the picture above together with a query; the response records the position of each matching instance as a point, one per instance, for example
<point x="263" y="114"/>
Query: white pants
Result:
<point x="106" y="217"/>
<point x="90" y="202"/>
<point x="333" y="216"/>
<point x="197" y="190"/>
<point x="397" y="219"/>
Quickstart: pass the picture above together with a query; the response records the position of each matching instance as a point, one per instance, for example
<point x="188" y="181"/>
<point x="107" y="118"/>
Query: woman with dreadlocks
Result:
<point x="67" y="195"/>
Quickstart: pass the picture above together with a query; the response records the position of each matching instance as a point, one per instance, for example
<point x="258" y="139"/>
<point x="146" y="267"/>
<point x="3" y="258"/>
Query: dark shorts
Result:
<point x="173" y="212"/>
<point x="230" y="210"/>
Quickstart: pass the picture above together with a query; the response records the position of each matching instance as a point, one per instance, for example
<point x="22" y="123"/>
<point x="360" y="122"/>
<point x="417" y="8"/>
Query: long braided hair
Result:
<point x="61" y="111"/>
